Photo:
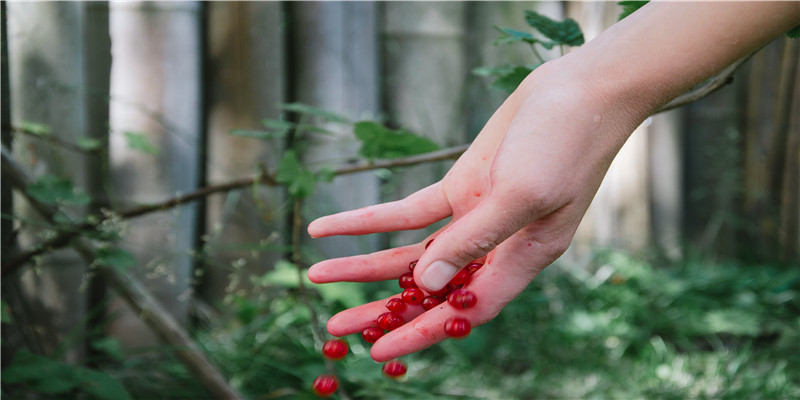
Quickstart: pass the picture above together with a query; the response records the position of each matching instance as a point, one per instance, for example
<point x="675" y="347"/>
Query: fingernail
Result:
<point x="438" y="274"/>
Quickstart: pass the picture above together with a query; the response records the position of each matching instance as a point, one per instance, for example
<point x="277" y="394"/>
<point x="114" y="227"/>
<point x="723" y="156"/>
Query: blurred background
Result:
<point x="161" y="160"/>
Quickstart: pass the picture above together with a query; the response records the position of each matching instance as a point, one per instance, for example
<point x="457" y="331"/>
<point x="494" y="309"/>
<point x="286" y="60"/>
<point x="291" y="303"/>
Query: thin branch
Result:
<point x="18" y="260"/>
<point x="138" y="298"/>
<point x="49" y="138"/>
<point x="715" y="83"/>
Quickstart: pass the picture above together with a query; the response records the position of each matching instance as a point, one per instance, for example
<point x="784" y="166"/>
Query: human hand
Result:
<point x="515" y="196"/>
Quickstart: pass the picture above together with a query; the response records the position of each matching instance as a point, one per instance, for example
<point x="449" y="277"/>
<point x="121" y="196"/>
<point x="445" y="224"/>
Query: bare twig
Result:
<point x="138" y="298"/>
<point x="715" y="83"/>
<point x="18" y="260"/>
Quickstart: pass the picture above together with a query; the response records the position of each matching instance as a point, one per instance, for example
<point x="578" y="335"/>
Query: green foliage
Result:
<point x="89" y="144"/>
<point x="560" y="33"/>
<point x="58" y="380"/>
<point x="794" y="33"/>
<point x="378" y="141"/>
<point x="566" y="32"/>
<point x="53" y="189"/>
<point x="36" y="128"/>
<point x="139" y="141"/>
<point x="299" y="179"/>
<point x="629" y="7"/>
<point x="115" y="257"/>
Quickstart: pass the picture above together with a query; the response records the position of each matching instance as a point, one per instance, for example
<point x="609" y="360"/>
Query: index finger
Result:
<point x="416" y="211"/>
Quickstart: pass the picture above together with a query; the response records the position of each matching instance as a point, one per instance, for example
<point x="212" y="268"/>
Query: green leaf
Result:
<point x="52" y="189"/>
<point x="378" y="141"/>
<point x="35" y="128"/>
<point x="326" y="174"/>
<point x="629" y="7"/>
<point x="101" y="385"/>
<point x="509" y="81"/>
<point x="284" y="274"/>
<point x="508" y="35"/>
<point x="794" y="33"/>
<point x="139" y="141"/>
<point x="89" y="144"/>
<point x="109" y="346"/>
<point x="314" y="111"/>
<point x="115" y="257"/>
<point x="301" y="181"/>
<point x="565" y="32"/>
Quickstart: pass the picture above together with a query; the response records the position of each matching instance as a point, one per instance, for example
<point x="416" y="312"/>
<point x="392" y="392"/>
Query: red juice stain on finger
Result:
<point x="477" y="194"/>
<point x="530" y="244"/>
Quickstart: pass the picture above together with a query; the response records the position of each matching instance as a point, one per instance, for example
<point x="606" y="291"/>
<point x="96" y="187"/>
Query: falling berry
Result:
<point x="396" y="304"/>
<point x="325" y="385"/>
<point x="413" y="295"/>
<point x="372" y="334"/>
<point x="334" y="349"/>
<point x="457" y="327"/>
<point x="390" y="321"/>
<point x="407" y="281"/>
<point x="431" y="301"/>
<point x="394" y="369"/>
<point x="462" y="299"/>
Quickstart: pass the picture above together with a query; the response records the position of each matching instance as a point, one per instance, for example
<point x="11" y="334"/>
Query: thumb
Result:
<point x="465" y="240"/>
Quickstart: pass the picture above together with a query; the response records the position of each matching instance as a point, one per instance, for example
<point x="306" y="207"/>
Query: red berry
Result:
<point x="390" y="321"/>
<point x="412" y="265"/>
<point x="413" y="295"/>
<point x="372" y="334"/>
<point x="462" y="298"/>
<point x="428" y="244"/>
<point x="396" y="305"/>
<point x="334" y="349"/>
<point x="325" y="385"/>
<point x="394" y="369"/>
<point x="460" y="280"/>
<point x="407" y="281"/>
<point x="430" y="302"/>
<point x="457" y="327"/>
<point x="473" y="266"/>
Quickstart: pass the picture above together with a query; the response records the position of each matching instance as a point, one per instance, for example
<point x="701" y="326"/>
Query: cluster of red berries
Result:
<point x="456" y="327"/>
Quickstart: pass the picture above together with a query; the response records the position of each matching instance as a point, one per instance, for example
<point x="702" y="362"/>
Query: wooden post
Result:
<point x="155" y="98"/>
<point x="424" y="76"/>
<point x="246" y="81"/>
<point x="334" y="65"/>
<point x="47" y="83"/>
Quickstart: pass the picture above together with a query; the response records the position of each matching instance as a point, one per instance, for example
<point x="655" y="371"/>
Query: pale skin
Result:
<point x="517" y="195"/>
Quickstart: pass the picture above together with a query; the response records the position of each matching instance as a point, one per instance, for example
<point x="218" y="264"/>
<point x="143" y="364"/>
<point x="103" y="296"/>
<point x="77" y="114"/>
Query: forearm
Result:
<point x="664" y="49"/>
